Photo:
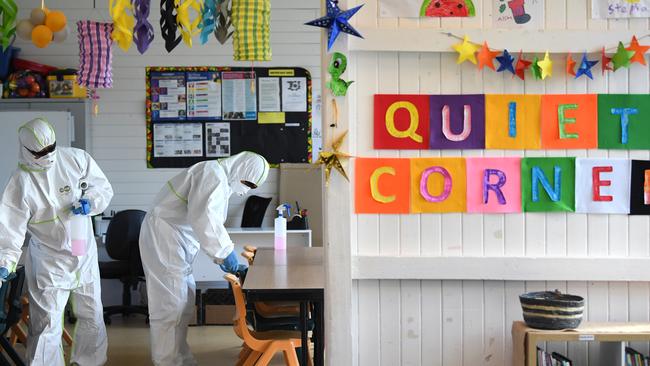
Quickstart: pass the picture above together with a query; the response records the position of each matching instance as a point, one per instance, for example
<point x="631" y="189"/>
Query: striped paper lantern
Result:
<point x="95" y="54"/>
<point x="552" y="310"/>
<point x="251" y="40"/>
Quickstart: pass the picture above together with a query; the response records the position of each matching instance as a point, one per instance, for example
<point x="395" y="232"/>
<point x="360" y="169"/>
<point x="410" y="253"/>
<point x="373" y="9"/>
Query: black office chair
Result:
<point x="122" y="238"/>
<point x="254" y="211"/>
<point x="11" y="309"/>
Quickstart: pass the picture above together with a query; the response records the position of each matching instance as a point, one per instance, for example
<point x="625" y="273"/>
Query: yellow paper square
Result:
<point x="265" y="118"/>
<point x="456" y="201"/>
<point x="497" y="122"/>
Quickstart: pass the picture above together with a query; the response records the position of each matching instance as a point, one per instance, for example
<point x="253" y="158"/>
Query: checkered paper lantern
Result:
<point x="251" y="19"/>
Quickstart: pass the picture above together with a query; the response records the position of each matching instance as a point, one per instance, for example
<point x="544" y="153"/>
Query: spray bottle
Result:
<point x="281" y="228"/>
<point x="79" y="228"/>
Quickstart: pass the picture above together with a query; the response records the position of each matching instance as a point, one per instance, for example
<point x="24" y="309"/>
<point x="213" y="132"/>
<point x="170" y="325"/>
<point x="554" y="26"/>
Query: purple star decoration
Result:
<point x="585" y="67"/>
<point x="336" y="21"/>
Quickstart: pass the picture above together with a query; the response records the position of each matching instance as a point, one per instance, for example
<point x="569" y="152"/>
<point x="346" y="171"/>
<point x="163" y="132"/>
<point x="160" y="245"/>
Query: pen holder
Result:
<point x="297" y="223"/>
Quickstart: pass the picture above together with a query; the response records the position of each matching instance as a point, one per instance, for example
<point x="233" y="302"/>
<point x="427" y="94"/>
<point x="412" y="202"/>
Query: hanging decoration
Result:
<point x="143" y="33"/>
<point x="585" y="67"/>
<point x="486" y="57"/>
<point x="522" y="66"/>
<point x="188" y="28"/>
<point x="570" y="65"/>
<point x="207" y="25"/>
<point x="604" y="62"/>
<point x="123" y="22"/>
<point x="8" y="13"/>
<point x="168" y="24"/>
<point x="336" y="21"/>
<point x="337" y="66"/>
<point x="223" y="30"/>
<point x="43" y="27"/>
<point x="639" y="51"/>
<point x="546" y="66"/>
<point x="331" y="159"/>
<point x="466" y="51"/>
<point x="251" y="40"/>
<point x="622" y="57"/>
<point x="505" y="62"/>
<point x="95" y="54"/>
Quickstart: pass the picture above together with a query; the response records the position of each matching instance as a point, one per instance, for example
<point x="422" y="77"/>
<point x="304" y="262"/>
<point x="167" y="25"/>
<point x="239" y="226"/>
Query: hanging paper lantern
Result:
<point x="251" y="19"/>
<point x="123" y="22"/>
<point x="168" y="25"/>
<point x="55" y="20"/>
<point x="41" y="36"/>
<point x="95" y="54"/>
<point x="8" y="12"/>
<point x="43" y="27"/>
<point x="143" y="31"/>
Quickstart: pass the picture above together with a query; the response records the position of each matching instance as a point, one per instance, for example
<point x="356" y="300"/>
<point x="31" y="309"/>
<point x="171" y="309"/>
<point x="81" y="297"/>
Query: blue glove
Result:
<point x="81" y="207"/>
<point x="230" y="263"/>
<point x="4" y="273"/>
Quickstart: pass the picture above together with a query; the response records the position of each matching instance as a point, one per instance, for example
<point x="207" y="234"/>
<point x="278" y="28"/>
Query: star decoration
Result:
<point x="486" y="57"/>
<point x="537" y="71"/>
<point x="585" y="67"/>
<point x="505" y="62"/>
<point x="604" y="61"/>
<point x="570" y="65"/>
<point x="466" y="51"/>
<point x="522" y="66"/>
<point x="639" y="51"/>
<point x="336" y="21"/>
<point x="546" y="66"/>
<point x="622" y="57"/>
<point x="332" y="159"/>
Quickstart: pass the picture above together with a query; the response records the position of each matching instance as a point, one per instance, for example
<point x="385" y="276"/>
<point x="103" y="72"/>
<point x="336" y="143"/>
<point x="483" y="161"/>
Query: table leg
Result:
<point x="303" y="329"/>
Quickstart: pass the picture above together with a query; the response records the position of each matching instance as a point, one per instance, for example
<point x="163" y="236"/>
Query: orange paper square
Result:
<point x="527" y="134"/>
<point x="393" y="187"/>
<point x="585" y="126"/>
<point x="456" y="200"/>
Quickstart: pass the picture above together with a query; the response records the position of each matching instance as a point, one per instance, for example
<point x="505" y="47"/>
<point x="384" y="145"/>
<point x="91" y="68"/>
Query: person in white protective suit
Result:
<point x="188" y="214"/>
<point x="50" y="185"/>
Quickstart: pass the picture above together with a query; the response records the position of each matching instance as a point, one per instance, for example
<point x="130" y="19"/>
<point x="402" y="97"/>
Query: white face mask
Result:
<point x="46" y="162"/>
<point x="240" y="189"/>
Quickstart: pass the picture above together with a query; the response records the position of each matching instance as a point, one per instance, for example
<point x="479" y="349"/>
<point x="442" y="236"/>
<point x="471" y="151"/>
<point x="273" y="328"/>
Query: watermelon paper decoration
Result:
<point x="447" y="8"/>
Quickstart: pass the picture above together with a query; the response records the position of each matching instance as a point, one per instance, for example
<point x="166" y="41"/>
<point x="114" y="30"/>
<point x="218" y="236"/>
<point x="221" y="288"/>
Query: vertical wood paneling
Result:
<point x="452" y="326"/>
<point x="390" y="323"/>
<point x="432" y="323"/>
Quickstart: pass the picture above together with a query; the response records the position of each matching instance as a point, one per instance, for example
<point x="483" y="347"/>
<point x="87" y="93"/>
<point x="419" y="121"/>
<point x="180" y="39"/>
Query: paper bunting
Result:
<point x="8" y="14"/>
<point x="604" y="62"/>
<point x="622" y="57"/>
<point x="486" y="57"/>
<point x="585" y="67"/>
<point x="570" y="65"/>
<point x="143" y="31"/>
<point x="522" y="66"/>
<point x="168" y="25"/>
<point x="332" y="159"/>
<point x="123" y="22"/>
<point x="188" y="28"/>
<point x="208" y="19"/>
<point x="505" y="62"/>
<point x="546" y="66"/>
<point x="537" y="71"/>
<point x="639" y="51"/>
<point x="336" y="21"/>
<point x="466" y="51"/>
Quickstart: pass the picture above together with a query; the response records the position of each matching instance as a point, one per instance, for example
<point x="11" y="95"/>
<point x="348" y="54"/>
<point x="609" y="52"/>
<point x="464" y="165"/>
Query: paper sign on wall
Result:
<point x="457" y="122"/>
<point x="624" y="121"/>
<point x="602" y="185"/>
<point x="569" y="121"/>
<point x="548" y="184"/>
<point x="640" y="188"/>
<point x="527" y="14"/>
<point x="382" y="185"/>
<point x="438" y="185"/>
<point x="426" y="8"/>
<point x="601" y="9"/>
<point x="493" y="185"/>
<point x="513" y="121"/>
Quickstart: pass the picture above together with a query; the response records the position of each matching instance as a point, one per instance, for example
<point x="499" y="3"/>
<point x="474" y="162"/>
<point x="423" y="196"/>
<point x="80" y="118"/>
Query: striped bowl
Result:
<point x="552" y="310"/>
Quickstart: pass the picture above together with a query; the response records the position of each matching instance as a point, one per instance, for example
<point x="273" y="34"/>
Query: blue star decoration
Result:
<point x="585" y="67"/>
<point x="505" y="62"/>
<point x="336" y="21"/>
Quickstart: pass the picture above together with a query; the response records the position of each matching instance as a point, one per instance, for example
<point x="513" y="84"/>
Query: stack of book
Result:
<point x="635" y="358"/>
<point x="551" y="359"/>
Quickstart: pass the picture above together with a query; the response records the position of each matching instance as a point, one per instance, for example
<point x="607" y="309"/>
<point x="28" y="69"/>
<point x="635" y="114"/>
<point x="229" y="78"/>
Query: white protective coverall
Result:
<point x="189" y="213"/>
<point x="38" y="199"/>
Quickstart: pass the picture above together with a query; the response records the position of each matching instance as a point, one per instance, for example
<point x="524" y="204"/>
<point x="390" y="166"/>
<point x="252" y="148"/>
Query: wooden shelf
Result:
<point x="529" y="41"/>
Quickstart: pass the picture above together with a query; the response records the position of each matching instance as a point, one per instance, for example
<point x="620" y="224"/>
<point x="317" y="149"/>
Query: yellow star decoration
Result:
<point x="466" y="51"/>
<point x="546" y="66"/>
<point x="332" y="159"/>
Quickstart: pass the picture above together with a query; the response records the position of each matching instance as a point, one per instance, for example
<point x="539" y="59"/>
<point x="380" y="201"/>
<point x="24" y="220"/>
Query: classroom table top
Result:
<point x="294" y="269"/>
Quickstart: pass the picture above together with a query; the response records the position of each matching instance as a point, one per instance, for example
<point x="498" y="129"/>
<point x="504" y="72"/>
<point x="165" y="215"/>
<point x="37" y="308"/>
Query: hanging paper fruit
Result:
<point x="8" y="12"/>
<point x="43" y="27"/>
<point x="447" y="8"/>
<point x="251" y="19"/>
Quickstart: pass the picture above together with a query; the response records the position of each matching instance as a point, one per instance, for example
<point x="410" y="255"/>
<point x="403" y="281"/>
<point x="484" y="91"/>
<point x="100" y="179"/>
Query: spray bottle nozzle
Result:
<point x="283" y="207"/>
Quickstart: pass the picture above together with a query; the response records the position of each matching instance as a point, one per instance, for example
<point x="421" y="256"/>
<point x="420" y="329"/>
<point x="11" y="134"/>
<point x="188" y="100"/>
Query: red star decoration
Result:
<point x="486" y="57"/>
<point x="522" y="66"/>
<point x="570" y="65"/>
<point x="604" y="62"/>
<point x="639" y="51"/>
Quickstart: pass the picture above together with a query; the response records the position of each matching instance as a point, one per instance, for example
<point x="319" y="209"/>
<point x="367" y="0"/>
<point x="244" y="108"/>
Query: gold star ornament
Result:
<point x="332" y="159"/>
<point x="546" y="66"/>
<point x="466" y="51"/>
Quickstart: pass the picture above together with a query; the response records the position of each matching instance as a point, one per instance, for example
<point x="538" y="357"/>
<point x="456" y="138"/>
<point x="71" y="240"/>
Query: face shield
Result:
<point x="37" y="144"/>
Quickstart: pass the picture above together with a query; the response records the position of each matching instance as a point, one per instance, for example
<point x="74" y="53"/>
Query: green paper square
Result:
<point x="609" y="125"/>
<point x="567" y="188"/>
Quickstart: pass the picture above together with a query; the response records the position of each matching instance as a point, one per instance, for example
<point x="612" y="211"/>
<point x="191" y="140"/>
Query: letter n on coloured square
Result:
<point x="401" y="122"/>
<point x="438" y="185"/>
<point x="381" y="185"/>
<point x="570" y="121"/>
<point x="493" y="185"/>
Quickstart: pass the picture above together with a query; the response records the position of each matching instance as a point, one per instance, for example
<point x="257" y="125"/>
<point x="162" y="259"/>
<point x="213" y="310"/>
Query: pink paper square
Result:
<point x="504" y="176"/>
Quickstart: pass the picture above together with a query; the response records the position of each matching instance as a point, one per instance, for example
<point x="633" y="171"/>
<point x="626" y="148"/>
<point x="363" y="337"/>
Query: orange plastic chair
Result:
<point x="260" y="347"/>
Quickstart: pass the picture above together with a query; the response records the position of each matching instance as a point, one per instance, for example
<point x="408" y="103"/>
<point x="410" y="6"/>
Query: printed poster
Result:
<point x="602" y="9"/>
<point x="269" y="94"/>
<point x="426" y="8"/>
<point x="217" y="140"/>
<point x="294" y="94"/>
<point x="239" y="95"/>
<point x="168" y="96"/>
<point x="174" y="140"/>
<point x="203" y="95"/>
<point x="514" y="14"/>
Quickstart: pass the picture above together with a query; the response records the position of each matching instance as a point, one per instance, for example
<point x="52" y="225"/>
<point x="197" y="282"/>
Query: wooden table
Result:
<point x="296" y="274"/>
